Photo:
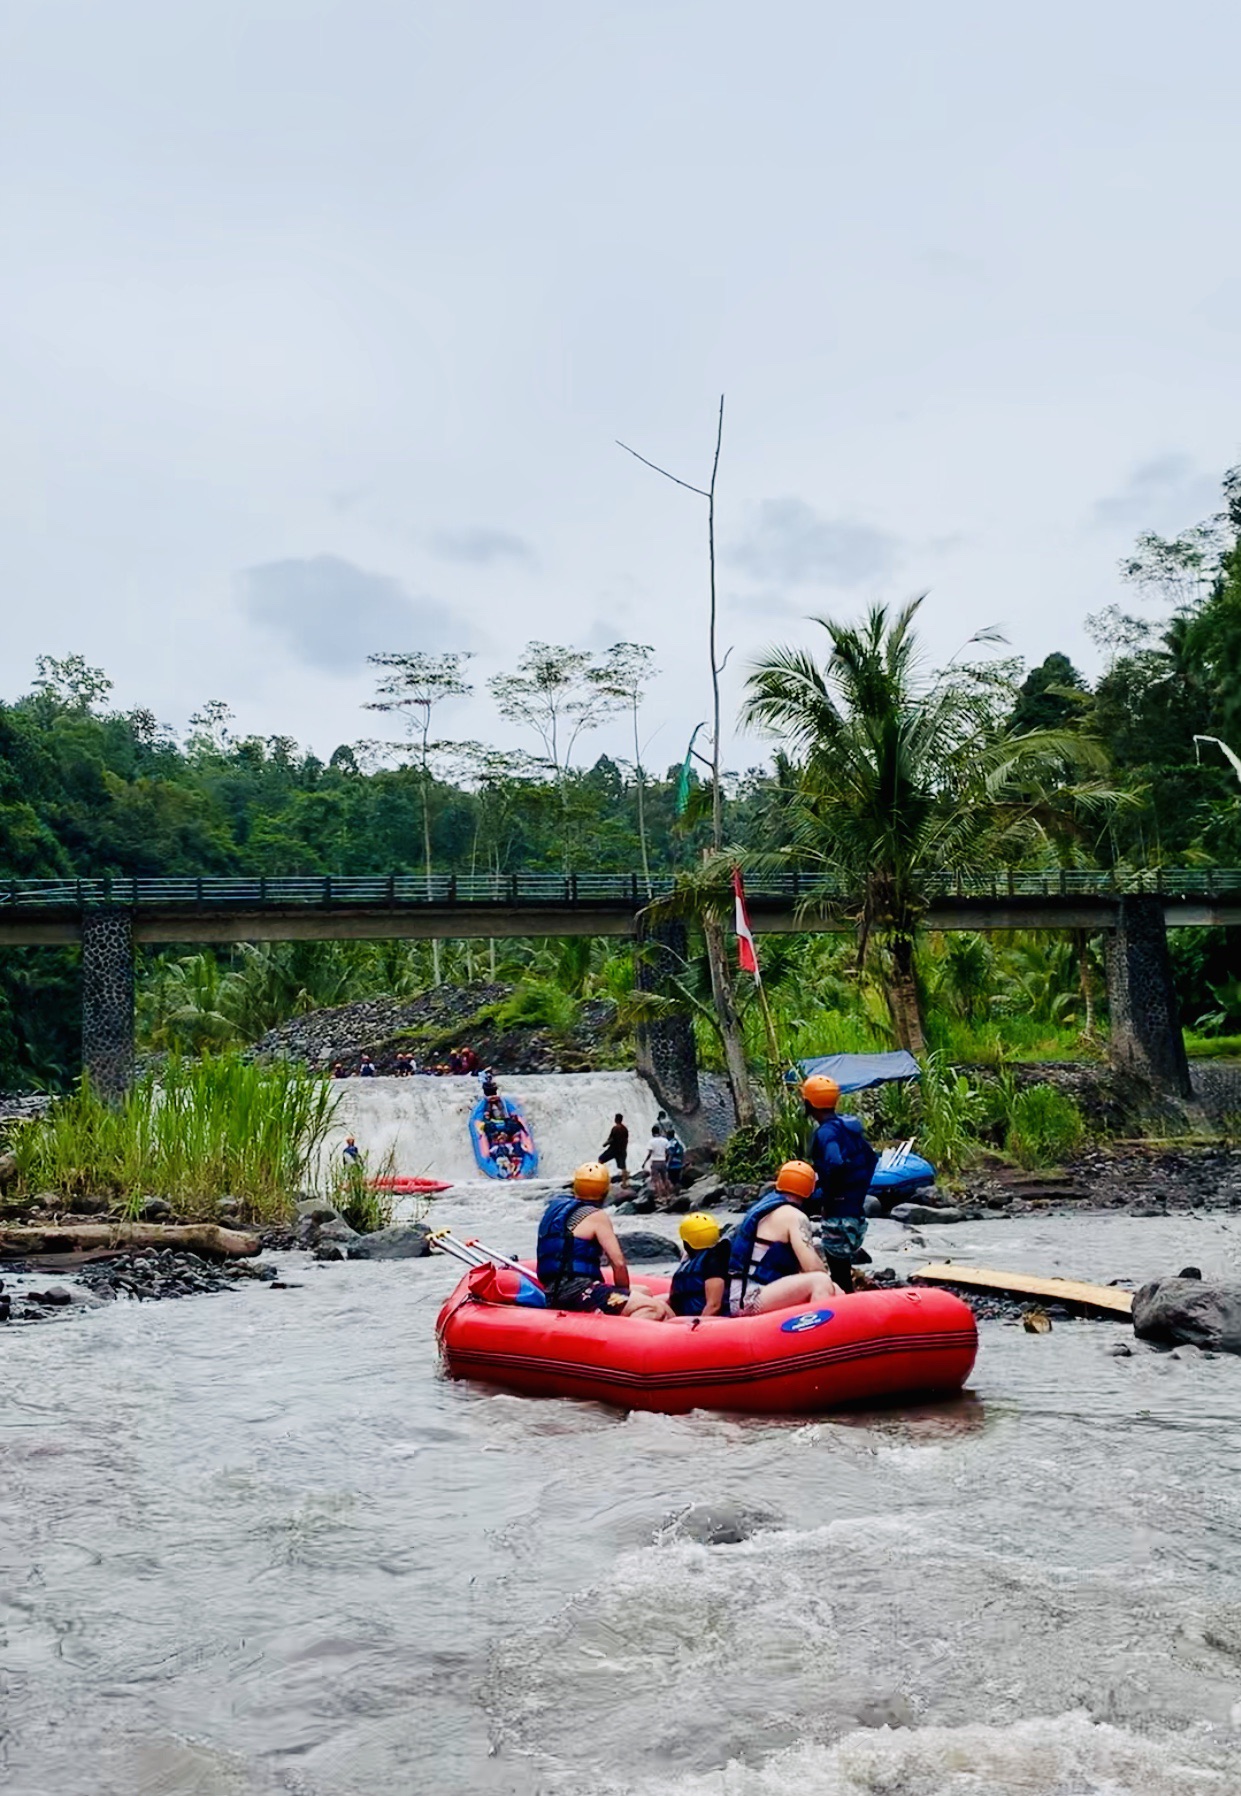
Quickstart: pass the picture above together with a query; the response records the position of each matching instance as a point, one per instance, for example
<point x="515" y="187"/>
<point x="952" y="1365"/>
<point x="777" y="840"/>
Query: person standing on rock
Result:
<point x="657" y="1160"/>
<point x="616" y="1149"/>
<point x="844" y="1163"/>
<point x="352" y="1152"/>
<point x="575" y="1237"/>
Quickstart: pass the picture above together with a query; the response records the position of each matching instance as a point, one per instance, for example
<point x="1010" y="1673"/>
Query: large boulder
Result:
<point x="319" y="1221"/>
<point x="1194" y="1311"/>
<point x="919" y="1215"/>
<point x="405" y="1241"/>
<point x="644" y="1246"/>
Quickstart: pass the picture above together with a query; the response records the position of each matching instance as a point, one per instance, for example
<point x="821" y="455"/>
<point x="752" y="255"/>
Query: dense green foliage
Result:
<point x="88" y="790"/>
<point x="213" y="1126"/>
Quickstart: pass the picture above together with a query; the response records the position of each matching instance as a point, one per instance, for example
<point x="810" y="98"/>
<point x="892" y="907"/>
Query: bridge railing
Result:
<point x="451" y="890"/>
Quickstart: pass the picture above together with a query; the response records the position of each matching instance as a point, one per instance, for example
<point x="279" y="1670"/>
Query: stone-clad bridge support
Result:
<point x="667" y="1058"/>
<point x="1146" y="1036"/>
<point x="108" y="1000"/>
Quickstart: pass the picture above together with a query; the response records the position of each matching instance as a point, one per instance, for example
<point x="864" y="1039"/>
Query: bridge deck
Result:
<point x="47" y="912"/>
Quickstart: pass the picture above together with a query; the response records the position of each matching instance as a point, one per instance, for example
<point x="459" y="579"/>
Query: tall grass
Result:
<point x="207" y="1128"/>
<point x="1044" y="1128"/>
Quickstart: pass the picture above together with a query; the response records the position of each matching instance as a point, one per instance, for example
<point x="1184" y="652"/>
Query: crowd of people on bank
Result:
<point x="461" y="1062"/>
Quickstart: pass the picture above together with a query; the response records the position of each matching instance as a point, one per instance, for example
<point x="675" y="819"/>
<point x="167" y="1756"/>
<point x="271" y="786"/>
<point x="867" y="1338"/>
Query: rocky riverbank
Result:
<point x="37" y="1292"/>
<point x="436" y="1021"/>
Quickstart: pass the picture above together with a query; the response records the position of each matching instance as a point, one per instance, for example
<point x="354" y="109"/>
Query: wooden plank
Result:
<point x="1028" y="1284"/>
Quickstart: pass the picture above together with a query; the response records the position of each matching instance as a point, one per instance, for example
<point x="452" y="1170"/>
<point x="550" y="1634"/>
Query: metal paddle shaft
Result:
<point x="447" y="1242"/>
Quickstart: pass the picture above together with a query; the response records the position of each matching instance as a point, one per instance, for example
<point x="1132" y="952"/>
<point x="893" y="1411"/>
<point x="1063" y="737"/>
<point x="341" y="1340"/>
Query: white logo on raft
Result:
<point x="797" y="1325"/>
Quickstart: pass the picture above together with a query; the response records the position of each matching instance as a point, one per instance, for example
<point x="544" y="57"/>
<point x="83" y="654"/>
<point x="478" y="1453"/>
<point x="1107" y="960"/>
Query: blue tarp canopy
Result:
<point x="858" y="1072"/>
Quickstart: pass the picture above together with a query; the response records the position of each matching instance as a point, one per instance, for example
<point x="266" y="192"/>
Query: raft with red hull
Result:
<point x="870" y="1346"/>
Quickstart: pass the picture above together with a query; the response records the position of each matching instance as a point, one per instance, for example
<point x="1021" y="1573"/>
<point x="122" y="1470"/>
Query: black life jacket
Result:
<point x="561" y="1253"/>
<point x="843" y="1186"/>
<point x="688" y="1294"/>
<point x="756" y="1262"/>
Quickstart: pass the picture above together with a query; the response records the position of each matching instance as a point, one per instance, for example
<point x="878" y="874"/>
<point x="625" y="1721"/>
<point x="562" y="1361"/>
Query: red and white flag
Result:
<point x="747" y="953"/>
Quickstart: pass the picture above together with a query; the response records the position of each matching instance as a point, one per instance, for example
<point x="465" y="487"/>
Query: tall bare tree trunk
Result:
<point x="730" y="1023"/>
<point x="903" y="996"/>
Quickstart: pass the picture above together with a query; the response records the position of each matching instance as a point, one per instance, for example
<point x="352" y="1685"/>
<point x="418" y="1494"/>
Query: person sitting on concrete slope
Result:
<point x="773" y="1264"/>
<point x="575" y="1237"/>
<point x="366" y="1067"/>
<point x="700" y="1282"/>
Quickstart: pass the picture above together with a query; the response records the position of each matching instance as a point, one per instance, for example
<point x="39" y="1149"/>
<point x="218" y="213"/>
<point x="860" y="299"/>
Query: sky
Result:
<point x="319" y="322"/>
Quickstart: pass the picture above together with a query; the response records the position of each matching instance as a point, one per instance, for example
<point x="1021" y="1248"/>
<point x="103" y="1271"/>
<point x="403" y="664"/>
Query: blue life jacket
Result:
<point x="757" y="1262"/>
<point x="561" y="1253"/>
<point x="676" y="1155"/>
<point x="688" y="1294"/>
<point x="845" y="1163"/>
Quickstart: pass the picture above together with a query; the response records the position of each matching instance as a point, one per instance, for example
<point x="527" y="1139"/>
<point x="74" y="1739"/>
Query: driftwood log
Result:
<point x="206" y="1238"/>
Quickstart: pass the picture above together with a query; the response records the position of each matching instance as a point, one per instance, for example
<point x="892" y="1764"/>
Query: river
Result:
<point x="256" y="1543"/>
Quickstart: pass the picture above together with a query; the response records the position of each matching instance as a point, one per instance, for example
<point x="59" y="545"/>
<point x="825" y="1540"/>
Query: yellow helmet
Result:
<point x="820" y="1092"/>
<point x="592" y="1181"/>
<point x="796" y="1178"/>
<point x="699" y="1230"/>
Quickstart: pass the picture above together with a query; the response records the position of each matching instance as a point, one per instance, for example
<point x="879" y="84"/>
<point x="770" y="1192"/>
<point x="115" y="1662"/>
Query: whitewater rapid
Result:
<point x="419" y="1127"/>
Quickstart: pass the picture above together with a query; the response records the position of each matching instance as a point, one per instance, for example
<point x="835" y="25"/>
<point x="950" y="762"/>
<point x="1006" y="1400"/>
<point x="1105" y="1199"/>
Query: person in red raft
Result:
<point x="575" y="1237"/>
<point x="773" y="1263"/>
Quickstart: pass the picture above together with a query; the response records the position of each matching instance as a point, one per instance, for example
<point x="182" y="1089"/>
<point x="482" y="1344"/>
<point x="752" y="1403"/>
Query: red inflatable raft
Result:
<point x="870" y="1346"/>
<point x="409" y="1187"/>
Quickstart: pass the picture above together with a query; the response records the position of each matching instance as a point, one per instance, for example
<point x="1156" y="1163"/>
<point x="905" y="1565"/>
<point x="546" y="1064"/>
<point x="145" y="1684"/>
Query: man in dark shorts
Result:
<point x="616" y="1149"/>
<point x="575" y="1237"/>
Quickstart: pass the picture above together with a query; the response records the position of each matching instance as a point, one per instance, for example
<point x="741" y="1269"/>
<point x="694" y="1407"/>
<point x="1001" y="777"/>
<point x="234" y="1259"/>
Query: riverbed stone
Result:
<point x="916" y="1215"/>
<point x="643" y="1246"/>
<point x="154" y="1209"/>
<point x="1198" y="1312"/>
<point x="404" y="1241"/>
<point x="721" y="1524"/>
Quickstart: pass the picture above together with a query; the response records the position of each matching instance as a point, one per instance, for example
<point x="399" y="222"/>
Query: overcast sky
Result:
<point x="318" y="322"/>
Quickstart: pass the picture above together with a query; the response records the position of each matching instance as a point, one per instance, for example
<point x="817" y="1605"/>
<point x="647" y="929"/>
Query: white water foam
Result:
<point x="421" y="1125"/>
<point x="1065" y="1755"/>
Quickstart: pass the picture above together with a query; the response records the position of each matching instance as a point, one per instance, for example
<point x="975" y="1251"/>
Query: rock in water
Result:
<point x="644" y="1246"/>
<point x="1036" y="1322"/>
<point x="919" y="1215"/>
<point x="721" y="1524"/>
<point x="1199" y="1312"/>
<point x="406" y="1241"/>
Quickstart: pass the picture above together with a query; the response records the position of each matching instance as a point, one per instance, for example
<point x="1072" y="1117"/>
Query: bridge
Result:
<point x="332" y="907"/>
<point x="108" y="916"/>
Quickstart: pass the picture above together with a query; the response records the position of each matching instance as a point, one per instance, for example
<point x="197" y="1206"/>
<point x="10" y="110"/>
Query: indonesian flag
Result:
<point x="747" y="953"/>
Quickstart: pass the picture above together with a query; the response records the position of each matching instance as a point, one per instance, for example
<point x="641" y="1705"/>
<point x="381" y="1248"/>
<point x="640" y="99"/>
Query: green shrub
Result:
<point x="1045" y="1127"/>
<point x="362" y="1207"/>
<point x="537" y="1004"/>
<point x="208" y="1128"/>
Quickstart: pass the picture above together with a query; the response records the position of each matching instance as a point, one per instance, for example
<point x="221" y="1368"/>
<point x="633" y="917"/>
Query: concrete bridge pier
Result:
<point x="1146" y="1037"/>
<point x="667" y="1057"/>
<point x="108" y="1000"/>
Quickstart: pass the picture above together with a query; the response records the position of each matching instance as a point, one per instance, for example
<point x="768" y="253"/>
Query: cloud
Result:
<point x="481" y="546"/>
<point x="792" y="544"/>
<point x="1165" y="494"/>
<point x="332" y="614"/>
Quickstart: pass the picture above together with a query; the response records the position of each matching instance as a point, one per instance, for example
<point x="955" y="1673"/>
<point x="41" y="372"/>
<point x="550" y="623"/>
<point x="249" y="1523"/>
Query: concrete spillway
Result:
<point x="419" y="1127"/>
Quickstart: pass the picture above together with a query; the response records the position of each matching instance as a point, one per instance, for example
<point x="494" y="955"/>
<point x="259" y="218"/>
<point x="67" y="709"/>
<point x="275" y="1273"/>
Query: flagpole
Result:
<point x="747" y="936"/>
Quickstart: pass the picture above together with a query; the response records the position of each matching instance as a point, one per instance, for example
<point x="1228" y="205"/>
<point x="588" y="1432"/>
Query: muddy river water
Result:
<point x="256" y="1542"/>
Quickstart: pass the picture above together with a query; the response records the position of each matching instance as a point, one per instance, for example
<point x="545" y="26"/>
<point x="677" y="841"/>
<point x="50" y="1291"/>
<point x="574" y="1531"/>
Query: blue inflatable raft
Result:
<point x="502" y="1153"/>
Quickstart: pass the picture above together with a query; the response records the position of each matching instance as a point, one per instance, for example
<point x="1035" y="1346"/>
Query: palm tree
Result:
<point x="897" y="774"/>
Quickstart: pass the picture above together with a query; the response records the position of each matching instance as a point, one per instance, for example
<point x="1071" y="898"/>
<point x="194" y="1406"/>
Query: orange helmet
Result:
<point x="592" y="1181"/>
<point x="796" y="1178"/>
<point x="820" y="1092"/>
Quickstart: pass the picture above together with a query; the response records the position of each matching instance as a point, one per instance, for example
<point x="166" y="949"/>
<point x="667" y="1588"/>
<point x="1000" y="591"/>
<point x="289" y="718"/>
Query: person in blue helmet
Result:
<point x="844" y="1163"/>
<point x="575" y="1237"/>
<point x="773" y="1264"/>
